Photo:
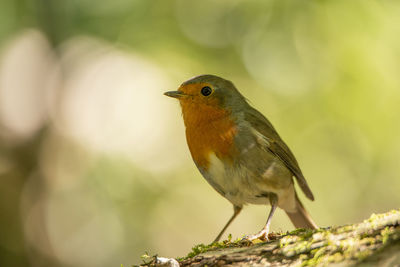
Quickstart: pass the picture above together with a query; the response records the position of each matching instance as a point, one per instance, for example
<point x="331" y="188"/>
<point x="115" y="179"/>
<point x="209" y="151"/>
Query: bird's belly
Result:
<point x="239" y="185"/>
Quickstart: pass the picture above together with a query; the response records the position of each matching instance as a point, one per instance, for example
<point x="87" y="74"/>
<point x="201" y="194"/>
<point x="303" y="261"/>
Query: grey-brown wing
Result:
<point x="276" y="145"/>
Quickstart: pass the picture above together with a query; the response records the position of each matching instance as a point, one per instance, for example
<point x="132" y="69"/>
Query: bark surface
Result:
<point x="374" y="242"/>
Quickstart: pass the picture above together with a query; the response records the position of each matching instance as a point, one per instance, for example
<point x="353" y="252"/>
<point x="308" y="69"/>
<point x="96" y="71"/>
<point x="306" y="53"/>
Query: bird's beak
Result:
<point x="175" y="94"/>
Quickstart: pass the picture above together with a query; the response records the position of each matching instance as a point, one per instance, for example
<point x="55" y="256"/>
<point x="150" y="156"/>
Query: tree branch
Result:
<point x="375" y="241"/>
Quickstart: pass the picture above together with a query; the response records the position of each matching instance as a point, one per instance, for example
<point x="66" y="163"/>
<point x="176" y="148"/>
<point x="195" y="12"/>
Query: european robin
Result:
<point x="239" y="152"/>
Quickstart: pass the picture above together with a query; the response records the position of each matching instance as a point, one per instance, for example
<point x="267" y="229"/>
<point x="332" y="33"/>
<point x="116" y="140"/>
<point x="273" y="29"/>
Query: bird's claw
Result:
<point x="262" y="236"/>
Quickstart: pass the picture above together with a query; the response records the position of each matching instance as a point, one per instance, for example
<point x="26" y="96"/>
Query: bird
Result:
<point x="239" y="152"/>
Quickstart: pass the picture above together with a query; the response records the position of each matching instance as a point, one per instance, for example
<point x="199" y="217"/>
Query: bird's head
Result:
<point x="208" y="96"/>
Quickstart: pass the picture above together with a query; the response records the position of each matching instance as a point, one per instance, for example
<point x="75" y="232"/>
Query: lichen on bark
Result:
<point x="373" y="242"/>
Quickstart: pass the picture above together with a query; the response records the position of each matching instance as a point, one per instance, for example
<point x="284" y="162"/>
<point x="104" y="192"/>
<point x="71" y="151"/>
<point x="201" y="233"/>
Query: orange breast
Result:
<point x="209" y="130"/>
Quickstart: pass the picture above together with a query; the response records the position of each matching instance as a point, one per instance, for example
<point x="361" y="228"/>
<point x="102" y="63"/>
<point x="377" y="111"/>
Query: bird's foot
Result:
<point x="262" y="235"/>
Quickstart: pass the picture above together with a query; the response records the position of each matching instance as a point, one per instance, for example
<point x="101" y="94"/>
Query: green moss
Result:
<point x="344" y="229"/>
<point x="201" y="248"/>
<point x="297" y="231"/>
<point x="351" y="243"/>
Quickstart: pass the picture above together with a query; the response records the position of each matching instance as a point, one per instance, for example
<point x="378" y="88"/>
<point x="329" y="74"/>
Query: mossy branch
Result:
<point x="374" y="242"/>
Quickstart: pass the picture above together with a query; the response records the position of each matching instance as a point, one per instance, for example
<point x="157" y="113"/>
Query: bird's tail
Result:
<point x="300" y="218"/>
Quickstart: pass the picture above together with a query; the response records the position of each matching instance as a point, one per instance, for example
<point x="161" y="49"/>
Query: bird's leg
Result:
<point x="263" y="234"/>
<point x="236" y="211"/>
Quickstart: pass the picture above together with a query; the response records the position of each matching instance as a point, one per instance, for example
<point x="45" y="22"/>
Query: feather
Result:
<point x="276" y="146"/>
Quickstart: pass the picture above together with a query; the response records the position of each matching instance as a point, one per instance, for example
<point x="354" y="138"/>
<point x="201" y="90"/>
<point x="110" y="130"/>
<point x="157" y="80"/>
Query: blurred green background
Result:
<point x="94" y="167"/>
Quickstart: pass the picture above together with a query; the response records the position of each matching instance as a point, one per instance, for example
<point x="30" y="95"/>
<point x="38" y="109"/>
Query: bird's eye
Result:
<point x="206" y="91"/>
